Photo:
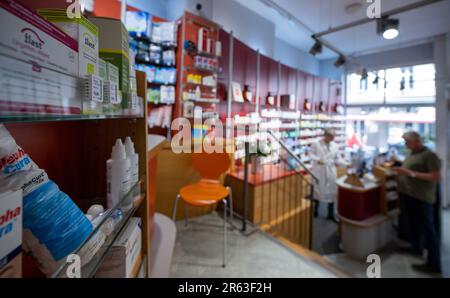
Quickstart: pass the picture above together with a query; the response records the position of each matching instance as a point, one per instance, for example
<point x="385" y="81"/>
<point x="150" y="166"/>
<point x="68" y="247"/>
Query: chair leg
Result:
<point x="186" y="211"/>
<point x="174" y="212"/>
<point x="225" y="204"/>
<point x="230" y="200"/>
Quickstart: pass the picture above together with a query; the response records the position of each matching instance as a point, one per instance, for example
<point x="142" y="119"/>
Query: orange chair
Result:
<point x="208" y="191"/>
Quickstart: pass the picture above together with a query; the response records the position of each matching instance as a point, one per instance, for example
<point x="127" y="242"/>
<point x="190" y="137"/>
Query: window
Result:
<point x="402" y="85"/>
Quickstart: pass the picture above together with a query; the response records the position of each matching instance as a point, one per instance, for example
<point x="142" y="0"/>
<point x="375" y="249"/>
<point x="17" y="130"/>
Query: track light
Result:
<point x="340" y="61"/>
<point x="316" y="49"/>
<point x="388" y="27"/>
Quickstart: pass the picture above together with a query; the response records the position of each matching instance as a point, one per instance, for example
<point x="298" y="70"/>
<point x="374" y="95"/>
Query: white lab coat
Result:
<point x="324" y="159"/>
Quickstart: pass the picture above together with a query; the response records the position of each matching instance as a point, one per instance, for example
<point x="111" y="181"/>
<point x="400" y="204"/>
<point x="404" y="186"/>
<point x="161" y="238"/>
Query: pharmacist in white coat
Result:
<point x="325" y="157"/>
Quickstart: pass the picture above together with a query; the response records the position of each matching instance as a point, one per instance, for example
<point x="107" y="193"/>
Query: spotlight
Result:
<point x="340" y="61"/>
<point x="388" y="27"/>
<point x="316" y="49"/>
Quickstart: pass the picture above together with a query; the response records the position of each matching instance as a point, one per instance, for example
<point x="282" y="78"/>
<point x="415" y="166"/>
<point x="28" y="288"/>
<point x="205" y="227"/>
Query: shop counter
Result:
<point x="364" y="229"/>
<point x="358" y="203"/>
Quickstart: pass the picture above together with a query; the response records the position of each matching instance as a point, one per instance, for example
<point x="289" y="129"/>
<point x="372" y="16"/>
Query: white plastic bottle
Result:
<point x="118" y="175"/>
<point x="134" y="160"/>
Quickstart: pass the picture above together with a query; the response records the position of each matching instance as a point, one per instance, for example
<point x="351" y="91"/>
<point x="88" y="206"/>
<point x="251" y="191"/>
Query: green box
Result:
<point x="115" y="48"/>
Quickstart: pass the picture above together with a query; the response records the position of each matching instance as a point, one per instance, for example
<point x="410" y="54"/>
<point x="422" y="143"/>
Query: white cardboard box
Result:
<point x="84" y="32"/>
<point x="125" y="257"/>
<point x="10" y="233"/>
<point x="30" y="38"/>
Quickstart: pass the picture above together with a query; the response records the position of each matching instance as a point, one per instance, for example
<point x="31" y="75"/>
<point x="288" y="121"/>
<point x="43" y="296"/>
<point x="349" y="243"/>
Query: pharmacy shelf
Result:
<point x="166" y="45"/>
<point x="27" y="118"/>
<point x="149" y="63"/>
<point x="90" y="268"/>
<point x="201" y="69"/>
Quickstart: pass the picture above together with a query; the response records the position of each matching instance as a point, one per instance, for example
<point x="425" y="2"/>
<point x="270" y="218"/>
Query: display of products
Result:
<point x="53" y="225"/>
<point x="164" y="32"/>
<point x="114" y="48"/>
<point x="125" y="256"/>
<point x="206" y="63"/>
<point x="160" y="117"/>
<point x="138" y="23"/>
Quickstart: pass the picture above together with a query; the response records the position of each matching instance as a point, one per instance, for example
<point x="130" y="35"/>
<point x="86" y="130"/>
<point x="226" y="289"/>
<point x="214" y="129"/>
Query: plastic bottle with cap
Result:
<point x="134" y="160"/>
<point x="118" y="175"/>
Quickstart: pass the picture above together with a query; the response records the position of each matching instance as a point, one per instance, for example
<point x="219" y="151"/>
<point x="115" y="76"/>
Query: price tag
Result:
<point x="94" y="88"/>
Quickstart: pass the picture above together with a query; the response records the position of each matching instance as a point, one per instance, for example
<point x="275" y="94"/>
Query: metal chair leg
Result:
<point x="174" y="212"/>
<point x="225" y="204"/>
<point x="186" y="214"/>
<point x="230" y="200"/>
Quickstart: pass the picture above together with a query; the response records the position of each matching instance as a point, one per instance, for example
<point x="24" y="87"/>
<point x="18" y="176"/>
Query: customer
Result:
<point x="325" y="156"/>
<point x="418" y="179"/>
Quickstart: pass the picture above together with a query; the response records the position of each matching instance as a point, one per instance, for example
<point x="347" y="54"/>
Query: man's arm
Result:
<point x="433" y="176"/>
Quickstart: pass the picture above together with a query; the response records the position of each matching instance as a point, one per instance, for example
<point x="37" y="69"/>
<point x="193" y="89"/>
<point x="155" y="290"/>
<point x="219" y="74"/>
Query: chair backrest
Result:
<point x="211" y="166"/>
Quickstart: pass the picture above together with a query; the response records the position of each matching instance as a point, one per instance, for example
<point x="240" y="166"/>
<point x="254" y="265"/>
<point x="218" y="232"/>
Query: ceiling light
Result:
<point x="340" y="61"/>
<point x="388" y="28"/>
<point x="316" y="49"/>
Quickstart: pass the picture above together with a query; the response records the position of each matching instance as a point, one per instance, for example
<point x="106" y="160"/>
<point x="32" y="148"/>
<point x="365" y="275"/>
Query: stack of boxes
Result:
<point x="51" y="64"/>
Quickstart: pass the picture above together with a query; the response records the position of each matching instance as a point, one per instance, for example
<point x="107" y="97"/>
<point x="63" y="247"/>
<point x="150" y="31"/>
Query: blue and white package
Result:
<point x="54" y="226"/>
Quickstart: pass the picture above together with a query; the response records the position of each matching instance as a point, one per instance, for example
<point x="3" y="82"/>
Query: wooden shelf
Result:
<point x="85" y="145"/>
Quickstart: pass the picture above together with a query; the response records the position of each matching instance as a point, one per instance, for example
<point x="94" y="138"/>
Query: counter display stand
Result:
<point x="363" y="228"/>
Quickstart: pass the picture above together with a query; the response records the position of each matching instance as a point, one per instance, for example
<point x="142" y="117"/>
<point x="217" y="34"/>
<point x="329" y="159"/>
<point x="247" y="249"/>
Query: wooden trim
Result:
<point x="316" y="258"/>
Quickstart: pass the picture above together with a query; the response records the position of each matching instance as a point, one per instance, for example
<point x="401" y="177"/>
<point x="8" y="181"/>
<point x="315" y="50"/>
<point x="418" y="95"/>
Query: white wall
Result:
<point x="442" y="62"/>
<point x="247" y="26"/>
<point x="254" y="30"/>
<point x="295" y="58"/>
<point x="327" y="69"/>
<point x="154" y="7"/>
<point x="417" y="54"/>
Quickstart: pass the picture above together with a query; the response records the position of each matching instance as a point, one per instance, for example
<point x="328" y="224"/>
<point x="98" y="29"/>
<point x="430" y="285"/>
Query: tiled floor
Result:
<point x="198" y="254"/>
<point x="394" y="264"/>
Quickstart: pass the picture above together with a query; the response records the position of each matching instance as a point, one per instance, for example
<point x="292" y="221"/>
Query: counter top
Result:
<point x="269" y="173"/>
<point x="368" y="185"/>
<point x="154" y="143"/>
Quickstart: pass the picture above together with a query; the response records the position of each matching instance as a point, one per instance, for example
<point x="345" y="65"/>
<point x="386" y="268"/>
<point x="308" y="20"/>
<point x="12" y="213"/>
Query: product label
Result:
<point x="27" y="88"/>
<point x="10" y="226"/>
<point x="28" y="37"/>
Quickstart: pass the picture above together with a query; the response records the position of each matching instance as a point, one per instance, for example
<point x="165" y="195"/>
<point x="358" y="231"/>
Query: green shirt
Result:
<point x="424" y="161"/>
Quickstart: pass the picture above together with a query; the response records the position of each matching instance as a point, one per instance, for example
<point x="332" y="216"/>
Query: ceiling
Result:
<point x="416" y="26"/>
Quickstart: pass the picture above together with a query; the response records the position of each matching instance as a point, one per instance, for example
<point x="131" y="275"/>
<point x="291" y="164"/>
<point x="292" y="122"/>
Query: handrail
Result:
<point x="292" y="154"/>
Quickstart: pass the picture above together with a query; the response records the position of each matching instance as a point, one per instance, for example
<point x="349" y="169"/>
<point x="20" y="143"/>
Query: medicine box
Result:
<point x="30" y="38"/>
<point x="10" y="233"/>
<point x="114" y="48"/>
<point x="38" y="91"/>
<point x="84" y="32"/>
<point x="125" y="257"/>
